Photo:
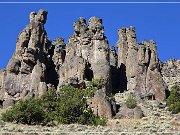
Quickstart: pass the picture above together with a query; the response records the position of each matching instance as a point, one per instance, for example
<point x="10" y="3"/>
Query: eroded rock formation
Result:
<point x="87" y="54"/>
<point x="38" y="64"/>
<point x="139" y="66"/>
<point x="29" y="63"/>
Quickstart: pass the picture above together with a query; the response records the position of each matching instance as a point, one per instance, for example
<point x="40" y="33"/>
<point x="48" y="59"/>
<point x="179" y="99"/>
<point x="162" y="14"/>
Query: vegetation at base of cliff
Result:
<point x="66" y="107"/>
<point x="27" y="112"/>
<point x="173" y="101"/>
<point x="131" y="102"/>
<point x="97" y="83"/>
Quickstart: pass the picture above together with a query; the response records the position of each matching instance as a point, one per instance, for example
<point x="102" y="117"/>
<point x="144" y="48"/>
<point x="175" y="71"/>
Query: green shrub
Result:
<point x="73" y="107"/>
<point x="49" y="102"/>
<point x="173" y="101"/>
<point x="90" y="119"/>
<point x="89" y="91"/>
<point x="26" y="112"/>
<point x="131" y="102"/>
<point x="70" y="105"/>
<point x="97" y="83"/>
<point x="175" y="108"/>
<point x="66" y="107"/>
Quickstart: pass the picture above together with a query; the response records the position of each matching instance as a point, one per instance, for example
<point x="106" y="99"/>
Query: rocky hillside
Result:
<point x="156" y="121"/>
<point x="171" y="72"/>
<point x="39" y="64"/>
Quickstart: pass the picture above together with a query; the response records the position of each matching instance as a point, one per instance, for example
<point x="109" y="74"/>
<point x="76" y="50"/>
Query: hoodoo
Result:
<point x="38" y="64"/>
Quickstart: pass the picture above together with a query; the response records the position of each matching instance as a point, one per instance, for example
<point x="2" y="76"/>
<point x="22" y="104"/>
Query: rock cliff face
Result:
<point x="38" y="63"/>
<point x="139" y="66"/>
<point x="171" y="72"/>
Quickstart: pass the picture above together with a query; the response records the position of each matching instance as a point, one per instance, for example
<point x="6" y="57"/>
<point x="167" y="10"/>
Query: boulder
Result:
<point x="8" y="103"/>
<point x="102" y="106"/>
<point x="135" y="113"/>
<point x="138" y="113"/>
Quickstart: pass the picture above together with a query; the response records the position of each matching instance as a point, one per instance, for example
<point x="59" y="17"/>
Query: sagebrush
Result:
<point x="131" y="102"/>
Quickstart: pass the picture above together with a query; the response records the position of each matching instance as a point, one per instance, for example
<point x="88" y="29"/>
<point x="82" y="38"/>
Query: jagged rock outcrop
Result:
<point x="139" y="66"/>
<point x="38" y="64"/>
<point x="171" y="72"/>
<point x="59" y="52"/>
<point x="87" y="54"/>
<point x="30" y="61"/>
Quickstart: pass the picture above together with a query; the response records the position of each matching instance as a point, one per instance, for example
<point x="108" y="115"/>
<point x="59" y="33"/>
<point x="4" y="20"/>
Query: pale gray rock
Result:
<point x="113" y="56"/>
<point x="42" y="88"/>
<point x="2" y="74"/>
<point x="8" y="103"/>
<point x="138" y="113"/>
<point x="41" y="16"/>
<point x="32" y="16"/>
<point x="73" y="68"/>
<point x="38" y="75"/>
<point x="14" y="66"/>
<point x="171" y="72"/>
<point x="59" y="52"/>
<point x="135" y="113"/>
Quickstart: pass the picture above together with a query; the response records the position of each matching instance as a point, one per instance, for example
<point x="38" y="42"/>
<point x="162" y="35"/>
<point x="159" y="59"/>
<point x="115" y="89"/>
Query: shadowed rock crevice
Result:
<point x="123" y="78"/>
<point x="89" y="73"/>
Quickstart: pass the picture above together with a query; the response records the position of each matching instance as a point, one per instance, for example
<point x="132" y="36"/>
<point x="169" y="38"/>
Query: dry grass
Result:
<point x="124" y="123"/>
<point x="176" y="125"/>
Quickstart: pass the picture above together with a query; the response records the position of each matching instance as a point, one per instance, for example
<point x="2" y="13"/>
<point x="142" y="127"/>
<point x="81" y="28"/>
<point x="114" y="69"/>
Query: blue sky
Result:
<point x="160" y="22"/>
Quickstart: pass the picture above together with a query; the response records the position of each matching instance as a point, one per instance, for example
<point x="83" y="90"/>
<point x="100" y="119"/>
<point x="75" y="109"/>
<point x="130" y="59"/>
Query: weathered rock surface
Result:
<point x="171" y="72"/>
<point x="1" y="84"/>
<point x="59" y="52"/>
<point x="30" y="61"/>
<point x="38" y="63"/>
<point x="8" y="103"/>
<point x="135" y="113"/>
<point x="87" y="54"/>
<point x="102" y="106"/>
<point x="139" y="65"/>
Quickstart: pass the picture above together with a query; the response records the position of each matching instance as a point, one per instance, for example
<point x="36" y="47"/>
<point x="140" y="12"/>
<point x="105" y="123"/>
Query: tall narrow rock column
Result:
<point x="27" y="67"/>
<point x="100" y="61"/>
<point x="139" y="66"/>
